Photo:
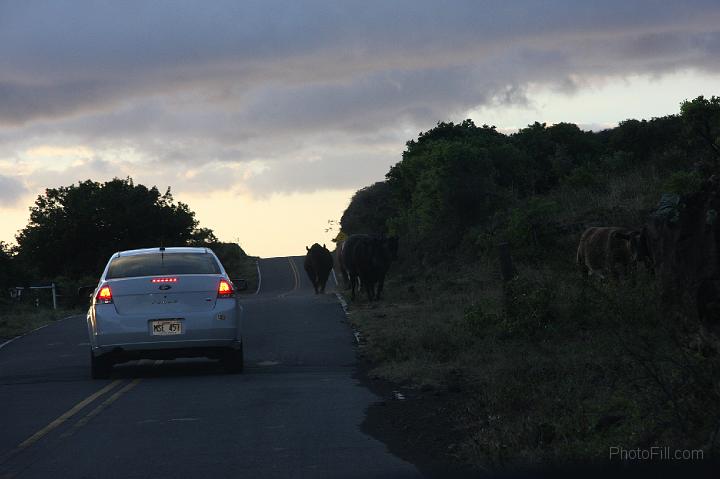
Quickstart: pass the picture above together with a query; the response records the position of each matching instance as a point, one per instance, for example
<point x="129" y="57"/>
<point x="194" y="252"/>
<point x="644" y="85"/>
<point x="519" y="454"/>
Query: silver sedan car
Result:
<point x="163" y="303"/>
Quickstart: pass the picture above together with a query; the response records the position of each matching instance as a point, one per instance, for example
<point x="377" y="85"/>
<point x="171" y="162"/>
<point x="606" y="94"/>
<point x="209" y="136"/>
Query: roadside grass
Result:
<point x="247" y="270"/>
<point x="17" y="321"/>
<point x="554" y="369"/>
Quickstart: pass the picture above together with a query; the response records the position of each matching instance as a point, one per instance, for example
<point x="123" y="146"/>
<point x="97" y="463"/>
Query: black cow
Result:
<point x="367" y="258"/>
<point x="341" y="264"/>
<point x="318" y="264"/>
<point x="388" y="254"/>
<point x="682" y="240"/>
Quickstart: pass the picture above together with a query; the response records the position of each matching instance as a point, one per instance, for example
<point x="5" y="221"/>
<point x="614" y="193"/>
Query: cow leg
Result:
<point x="369" y="289"/>
<point x="352" y="286"/>
<point x="584" y="270"/>
<point x="381" y="282"/>
<point x="345" y="278"/>
<point x="323" y="281"/>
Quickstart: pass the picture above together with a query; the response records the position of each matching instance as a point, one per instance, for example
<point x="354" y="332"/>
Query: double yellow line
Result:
<point x="70" y="413"/>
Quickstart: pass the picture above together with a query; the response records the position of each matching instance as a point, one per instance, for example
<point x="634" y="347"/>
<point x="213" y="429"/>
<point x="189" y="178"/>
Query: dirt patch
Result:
<point x="416" y="425"/>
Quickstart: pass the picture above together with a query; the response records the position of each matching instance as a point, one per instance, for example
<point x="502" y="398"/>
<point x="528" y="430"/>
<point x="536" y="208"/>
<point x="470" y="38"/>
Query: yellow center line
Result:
<point x="67" y="415"/>
<point x="295" y="272"/>
<point x="101" y="407"/>
<point x="98" y="409"/>
<point x="296" y="278"/>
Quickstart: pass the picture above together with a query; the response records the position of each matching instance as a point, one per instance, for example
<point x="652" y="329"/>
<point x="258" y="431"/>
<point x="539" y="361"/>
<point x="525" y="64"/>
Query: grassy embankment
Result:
<point x="237" y="263"/>
<point x="554" y="368"/>
<point x="17" y="321"/>
<point x="245" y="268"/>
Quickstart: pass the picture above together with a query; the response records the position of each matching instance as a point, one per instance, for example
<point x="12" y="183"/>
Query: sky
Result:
<point x="266" y="116"/>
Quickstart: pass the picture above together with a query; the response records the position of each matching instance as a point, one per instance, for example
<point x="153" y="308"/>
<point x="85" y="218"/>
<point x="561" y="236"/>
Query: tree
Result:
<point x="447" y="182"/>
<point x="368" y="211"/>
<point x="8" y="270"/>
<point x="73" y="230"/>
<point x="645" y="140"/>
<point x="702" y="119"/>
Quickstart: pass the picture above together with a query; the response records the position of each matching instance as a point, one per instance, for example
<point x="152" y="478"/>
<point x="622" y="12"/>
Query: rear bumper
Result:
<point x="208" y="330"/>
<point x="166" y="350"/>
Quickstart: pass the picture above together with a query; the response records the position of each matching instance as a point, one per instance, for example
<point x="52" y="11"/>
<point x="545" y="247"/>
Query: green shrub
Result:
<point x="683" y="182"/>
<point x="530" y="307"/>
<point x="528" y="225"/>
<point x="478" y="320"/>
<point x="585" y="177"/>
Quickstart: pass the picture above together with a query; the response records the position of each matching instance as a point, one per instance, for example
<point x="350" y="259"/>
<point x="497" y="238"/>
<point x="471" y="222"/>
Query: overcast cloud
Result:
<point x="10" y="191"/>
<point x="263" y="97"/>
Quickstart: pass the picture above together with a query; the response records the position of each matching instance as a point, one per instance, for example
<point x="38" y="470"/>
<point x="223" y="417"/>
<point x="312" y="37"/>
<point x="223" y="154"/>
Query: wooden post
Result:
<point x="507" y="270"/>
<point x="54" y="296"/>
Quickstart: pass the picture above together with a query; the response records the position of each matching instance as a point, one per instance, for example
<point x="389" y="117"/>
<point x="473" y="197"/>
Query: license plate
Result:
<point x="166" y="327"/>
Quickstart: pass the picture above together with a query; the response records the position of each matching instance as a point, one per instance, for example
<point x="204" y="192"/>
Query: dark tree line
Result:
<point x="458" y="181"/>
<point x="74" y="229"/>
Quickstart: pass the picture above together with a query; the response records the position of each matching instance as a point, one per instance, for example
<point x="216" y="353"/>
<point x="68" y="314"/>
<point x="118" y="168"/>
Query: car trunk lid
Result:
<point x="165" y="295"/>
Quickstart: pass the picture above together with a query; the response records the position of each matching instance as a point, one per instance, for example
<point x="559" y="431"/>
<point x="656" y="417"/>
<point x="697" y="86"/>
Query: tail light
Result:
<point x="163" y="280"/>
<point x="104" y="296"/>
<point x="225" y="289"/>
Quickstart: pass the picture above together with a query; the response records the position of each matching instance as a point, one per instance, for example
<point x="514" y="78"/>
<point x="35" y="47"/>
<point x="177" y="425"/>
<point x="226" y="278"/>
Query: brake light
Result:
<point x="164" y="280"/>
<point x="225" y="289"/>
<point x="104" y="295"/>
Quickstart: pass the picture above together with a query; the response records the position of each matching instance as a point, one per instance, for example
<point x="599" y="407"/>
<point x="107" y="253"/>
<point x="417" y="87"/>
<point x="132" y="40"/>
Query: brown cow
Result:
<point x="609" y="250"/>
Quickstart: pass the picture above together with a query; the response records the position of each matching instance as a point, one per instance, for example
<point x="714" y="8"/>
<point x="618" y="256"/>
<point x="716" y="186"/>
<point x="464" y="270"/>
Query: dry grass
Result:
<point x="247" y="270"/>
<point x="15" y="322"/>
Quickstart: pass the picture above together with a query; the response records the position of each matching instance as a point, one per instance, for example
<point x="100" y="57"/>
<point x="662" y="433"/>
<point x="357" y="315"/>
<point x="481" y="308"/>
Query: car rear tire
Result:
<point x="100" y="367"/>
<point x="233" y="360"/>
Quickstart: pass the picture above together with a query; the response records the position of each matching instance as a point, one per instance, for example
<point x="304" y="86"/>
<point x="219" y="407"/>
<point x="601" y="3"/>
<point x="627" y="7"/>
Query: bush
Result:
<point x="529" y="225"/>
<point x="479" y="321"/>
<point x="584" y="177"/>
<point x="530" y="307"/>
<point x="683" y="182"/>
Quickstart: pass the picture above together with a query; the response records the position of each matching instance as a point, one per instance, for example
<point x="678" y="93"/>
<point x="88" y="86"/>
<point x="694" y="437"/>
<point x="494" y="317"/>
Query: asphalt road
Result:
<point x="294" y="413"/>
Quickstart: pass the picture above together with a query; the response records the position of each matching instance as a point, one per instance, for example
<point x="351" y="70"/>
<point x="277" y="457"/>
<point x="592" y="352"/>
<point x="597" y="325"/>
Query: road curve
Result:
<point x="294" y="413"/>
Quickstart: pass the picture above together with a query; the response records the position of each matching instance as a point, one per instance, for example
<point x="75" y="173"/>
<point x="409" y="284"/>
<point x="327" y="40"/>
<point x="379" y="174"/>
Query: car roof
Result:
<point x="170" y="250"/>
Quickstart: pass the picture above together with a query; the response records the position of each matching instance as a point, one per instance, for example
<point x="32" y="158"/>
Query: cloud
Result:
<point x="11" y="191"/>
<point x="196" y="93"/>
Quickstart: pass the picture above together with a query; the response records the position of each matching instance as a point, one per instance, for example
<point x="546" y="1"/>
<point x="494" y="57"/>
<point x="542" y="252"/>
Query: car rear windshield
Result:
<point x="156" y="264"/>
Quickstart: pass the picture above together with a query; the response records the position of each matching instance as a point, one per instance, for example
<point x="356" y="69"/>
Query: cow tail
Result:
<point x="579" y="256"/>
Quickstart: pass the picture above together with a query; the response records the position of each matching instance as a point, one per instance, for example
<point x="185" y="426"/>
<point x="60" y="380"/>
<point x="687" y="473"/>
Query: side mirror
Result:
<point x="85" y="292"/>
<point x="240" y="284"/>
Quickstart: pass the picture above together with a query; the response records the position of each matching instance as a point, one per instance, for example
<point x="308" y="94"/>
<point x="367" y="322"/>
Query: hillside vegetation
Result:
<point x="553" y="368"/>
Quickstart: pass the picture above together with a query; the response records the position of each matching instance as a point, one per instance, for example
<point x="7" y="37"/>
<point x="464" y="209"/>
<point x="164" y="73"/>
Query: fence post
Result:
<point x="54" y="295"/>
<point x="507" y="270"/>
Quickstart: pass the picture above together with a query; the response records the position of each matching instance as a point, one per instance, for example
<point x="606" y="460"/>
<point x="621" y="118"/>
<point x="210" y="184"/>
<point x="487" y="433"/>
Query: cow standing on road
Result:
<point x="318" y="264"/>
